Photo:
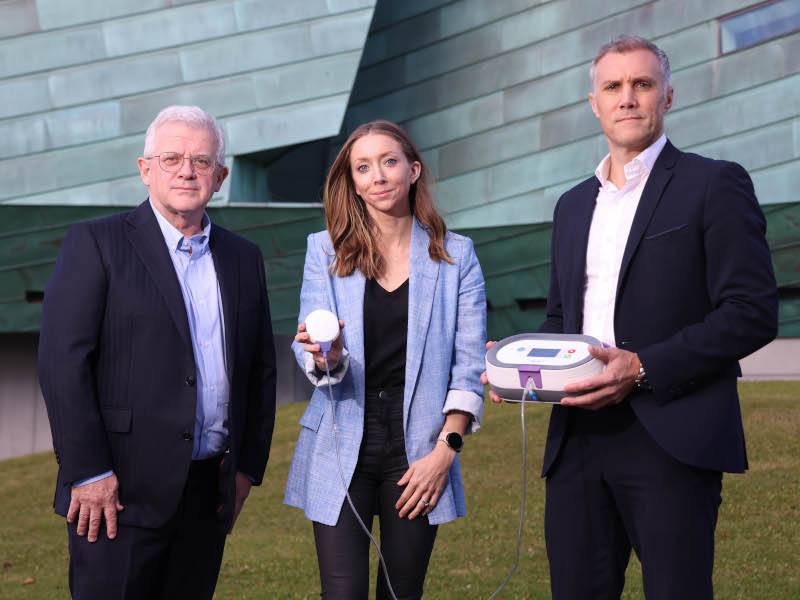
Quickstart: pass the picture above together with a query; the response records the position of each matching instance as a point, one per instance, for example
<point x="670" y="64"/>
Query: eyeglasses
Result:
<point x="171" y="162"/>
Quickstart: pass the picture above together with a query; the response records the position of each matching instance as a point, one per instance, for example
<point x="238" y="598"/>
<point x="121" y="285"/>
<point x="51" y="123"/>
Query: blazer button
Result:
<point x="187" y="436"/>
<point x="190" y="381"/>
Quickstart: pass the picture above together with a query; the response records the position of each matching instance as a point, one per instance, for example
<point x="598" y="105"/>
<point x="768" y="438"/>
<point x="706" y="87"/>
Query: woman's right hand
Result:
<point x="334" y="354"/>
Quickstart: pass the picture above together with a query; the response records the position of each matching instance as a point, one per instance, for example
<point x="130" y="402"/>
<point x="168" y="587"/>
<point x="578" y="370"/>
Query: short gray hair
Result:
<point x="628" y="43"/>
<point x="193" y="116"/>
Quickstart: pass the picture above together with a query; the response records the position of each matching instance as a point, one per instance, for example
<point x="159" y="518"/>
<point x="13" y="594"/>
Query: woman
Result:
<point x="405" y="370"/>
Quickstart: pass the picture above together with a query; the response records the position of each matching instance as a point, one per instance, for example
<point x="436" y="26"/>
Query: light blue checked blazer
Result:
<point x="444" y="359"/>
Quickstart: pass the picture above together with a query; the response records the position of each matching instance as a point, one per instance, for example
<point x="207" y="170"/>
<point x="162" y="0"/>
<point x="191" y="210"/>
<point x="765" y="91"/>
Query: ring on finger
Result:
<point x="425" y="502"/>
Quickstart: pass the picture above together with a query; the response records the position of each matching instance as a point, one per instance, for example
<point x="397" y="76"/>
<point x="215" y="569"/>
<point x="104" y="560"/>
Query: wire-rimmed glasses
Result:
<point x="171" y="162"/>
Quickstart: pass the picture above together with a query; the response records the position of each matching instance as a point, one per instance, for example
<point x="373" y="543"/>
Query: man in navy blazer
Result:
<point x="157" y="365"/>
<point x="662" y="256"/>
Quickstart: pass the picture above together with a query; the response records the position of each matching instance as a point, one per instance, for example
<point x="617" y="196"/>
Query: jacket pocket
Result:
<point x="117" y="420"/>
<point x="312" y="418"/>
<point x="659" y="234"/>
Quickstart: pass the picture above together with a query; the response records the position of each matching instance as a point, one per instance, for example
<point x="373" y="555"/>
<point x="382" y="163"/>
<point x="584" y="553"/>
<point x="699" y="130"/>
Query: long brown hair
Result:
<point x="352" y="230"/>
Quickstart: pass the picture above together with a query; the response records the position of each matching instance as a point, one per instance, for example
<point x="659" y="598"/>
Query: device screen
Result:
<point x="543" y="352"/>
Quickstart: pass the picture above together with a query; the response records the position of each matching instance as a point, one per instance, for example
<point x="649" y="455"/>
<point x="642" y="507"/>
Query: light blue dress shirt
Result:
<point x="197" y="276"/>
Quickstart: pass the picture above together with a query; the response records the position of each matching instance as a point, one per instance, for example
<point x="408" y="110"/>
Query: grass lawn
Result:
<point x="271" y="553"/>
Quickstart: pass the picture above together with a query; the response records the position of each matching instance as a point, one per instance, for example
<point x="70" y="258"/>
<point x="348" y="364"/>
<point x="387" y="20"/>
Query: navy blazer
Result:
<point x="696" y="293"/>
<point x="117" y="368"/>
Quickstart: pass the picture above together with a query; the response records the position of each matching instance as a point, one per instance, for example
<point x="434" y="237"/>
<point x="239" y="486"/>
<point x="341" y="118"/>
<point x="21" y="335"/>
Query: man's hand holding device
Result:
<point x="620" y="376"/>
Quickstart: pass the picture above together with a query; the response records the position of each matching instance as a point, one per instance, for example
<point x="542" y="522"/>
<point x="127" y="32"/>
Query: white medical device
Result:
<point x="550" y="360"/>
<point x="323" y="328"/>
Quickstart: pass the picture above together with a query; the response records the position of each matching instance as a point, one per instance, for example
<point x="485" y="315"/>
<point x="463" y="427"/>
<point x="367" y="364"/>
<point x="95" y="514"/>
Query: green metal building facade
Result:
<point x="493" y="93"/>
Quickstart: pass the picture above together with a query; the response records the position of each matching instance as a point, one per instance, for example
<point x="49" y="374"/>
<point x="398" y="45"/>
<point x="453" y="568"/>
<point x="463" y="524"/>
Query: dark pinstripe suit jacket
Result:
<point x="117" y="368"/>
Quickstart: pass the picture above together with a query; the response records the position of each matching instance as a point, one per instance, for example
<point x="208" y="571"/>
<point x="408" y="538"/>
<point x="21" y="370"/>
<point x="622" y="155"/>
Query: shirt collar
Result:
<point x="175" y="239"/>
<point x="642" y="163"/>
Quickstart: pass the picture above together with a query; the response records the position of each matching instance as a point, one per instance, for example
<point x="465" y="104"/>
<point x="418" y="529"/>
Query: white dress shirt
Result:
<point x="608" y="235"/>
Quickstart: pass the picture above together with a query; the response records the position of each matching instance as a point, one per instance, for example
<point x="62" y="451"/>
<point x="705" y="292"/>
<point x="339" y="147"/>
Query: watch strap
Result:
<point x="641" y="382"/>
<point x="444" y="439"/>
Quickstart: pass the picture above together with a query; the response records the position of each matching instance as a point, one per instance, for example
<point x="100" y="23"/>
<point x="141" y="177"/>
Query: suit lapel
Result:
<point x="582" y="215"/>
<point x="226" y="264"/>
<point x="651" y="196"/>
<point x="422" y="278"/>
<point x="148" y="243"/>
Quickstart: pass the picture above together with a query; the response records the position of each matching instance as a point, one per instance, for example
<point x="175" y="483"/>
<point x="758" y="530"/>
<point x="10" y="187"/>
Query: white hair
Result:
<point x="628" y="43"/>
<point x="193" y="116"/>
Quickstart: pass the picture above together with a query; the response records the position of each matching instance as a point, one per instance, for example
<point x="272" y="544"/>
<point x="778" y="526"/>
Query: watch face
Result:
<point x="455" y="441"/>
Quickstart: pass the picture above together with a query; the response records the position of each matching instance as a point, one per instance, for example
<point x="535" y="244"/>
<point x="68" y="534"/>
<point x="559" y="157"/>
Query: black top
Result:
<point x="385" y="332"/>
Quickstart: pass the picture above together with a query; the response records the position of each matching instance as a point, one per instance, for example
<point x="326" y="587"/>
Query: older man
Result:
<point x="157" y="366"/>
<point x="661" y="255"/>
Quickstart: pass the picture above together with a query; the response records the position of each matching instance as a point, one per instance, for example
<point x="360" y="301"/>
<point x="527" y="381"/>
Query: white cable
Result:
<point x="344" y="484"/>
<point x="529" y="393"/>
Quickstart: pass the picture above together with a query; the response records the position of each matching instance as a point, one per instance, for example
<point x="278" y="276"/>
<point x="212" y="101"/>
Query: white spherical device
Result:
<point x="322" y="326"/>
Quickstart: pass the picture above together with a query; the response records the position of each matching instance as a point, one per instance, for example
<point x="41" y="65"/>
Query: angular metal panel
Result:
<point x="489" y="148"/>
<point x="166" y="28"/>
<point x="305" y="81"/>
<point x="233" y="57"/>
<point x="68" y="127"/>
<point x="23" y="96"/>
<point x="59" y="13"/>
<point x="457" y="122"/>
<point x="51" y="50"/>
<point x="220" y="97"/>
<point x="18" y="17"/>
<point x="285" y="125"/>
<point x="778" y="184"/>
<point x="256" y="14"/>
<point x="109" y="79"/>
<point x="748" y="109"/>
<point x="69" y="167"/>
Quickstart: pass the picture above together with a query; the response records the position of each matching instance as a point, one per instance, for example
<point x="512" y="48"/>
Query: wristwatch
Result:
<point x="641" y="382"/>
<point x="452" y="439"/>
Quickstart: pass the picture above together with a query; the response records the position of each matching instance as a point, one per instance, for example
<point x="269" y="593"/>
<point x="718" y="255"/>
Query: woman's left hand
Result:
<point x="424" y="481"/>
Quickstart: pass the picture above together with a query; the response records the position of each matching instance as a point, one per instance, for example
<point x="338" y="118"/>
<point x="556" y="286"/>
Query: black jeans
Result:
<point x="343" y="550"/>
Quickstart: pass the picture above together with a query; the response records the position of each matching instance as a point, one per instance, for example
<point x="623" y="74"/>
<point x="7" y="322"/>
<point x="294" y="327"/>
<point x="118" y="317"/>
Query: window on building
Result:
<point x="759" y="24"/>
<point x="290" y="174"/>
